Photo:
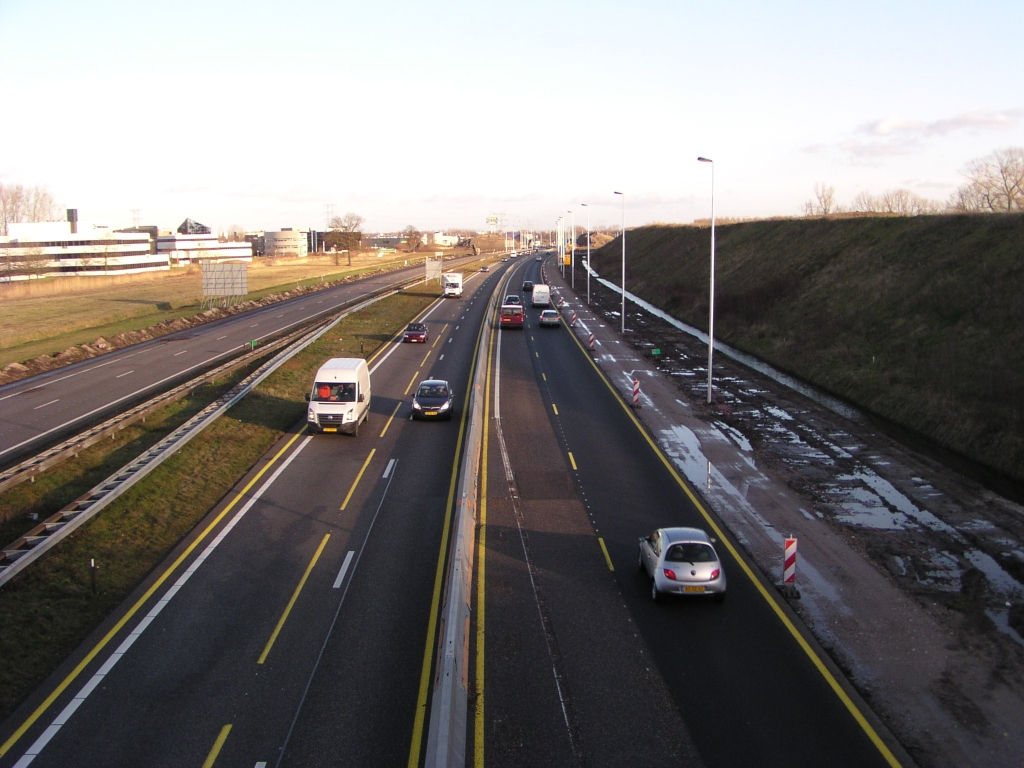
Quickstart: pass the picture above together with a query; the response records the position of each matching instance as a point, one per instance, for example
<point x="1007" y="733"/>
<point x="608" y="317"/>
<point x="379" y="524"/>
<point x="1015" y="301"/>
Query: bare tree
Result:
<point x="19" y="203"/>
<point x="995" y="184"/>
<point x="236" y="234"/>
<point x="350" y="222"/>
<point x="413" y="237"/>
<point x="824" y="201"/>
<point x="345" y="235"/>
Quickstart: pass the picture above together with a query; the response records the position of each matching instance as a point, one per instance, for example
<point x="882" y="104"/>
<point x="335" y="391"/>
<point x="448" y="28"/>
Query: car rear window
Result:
<point x="690" y="552"/>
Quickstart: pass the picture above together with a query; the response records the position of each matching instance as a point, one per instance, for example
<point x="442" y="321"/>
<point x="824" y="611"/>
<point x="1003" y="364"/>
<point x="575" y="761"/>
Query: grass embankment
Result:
<point x="919" y="320"/>
<point x="48" y="610"/>
<point x="48" y="316"/>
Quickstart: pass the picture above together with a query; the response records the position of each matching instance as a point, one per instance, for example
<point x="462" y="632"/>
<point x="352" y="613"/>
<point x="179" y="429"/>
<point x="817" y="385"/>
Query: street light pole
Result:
<point x="588" y="251"/>
<point x="572" y="251"/>
<point x="711" y="302"/>
<point x="623" y="260"/>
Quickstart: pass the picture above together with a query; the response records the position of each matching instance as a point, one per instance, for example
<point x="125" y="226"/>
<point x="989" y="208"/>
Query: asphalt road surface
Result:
<point x="301" y="638"/>
<point x="41" y="409"/>
<point x="297" y="625"/>
<point x="579" y="666"/>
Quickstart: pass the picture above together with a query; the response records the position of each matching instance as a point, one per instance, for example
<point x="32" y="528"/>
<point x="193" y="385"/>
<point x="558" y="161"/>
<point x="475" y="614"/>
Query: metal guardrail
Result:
<point x="449" y="700"/>
<point x="46" y="535"/>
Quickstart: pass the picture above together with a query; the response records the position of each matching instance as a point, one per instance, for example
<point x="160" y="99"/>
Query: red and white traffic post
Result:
<point x="636" y="393"/>
<point x="789" y="564"/>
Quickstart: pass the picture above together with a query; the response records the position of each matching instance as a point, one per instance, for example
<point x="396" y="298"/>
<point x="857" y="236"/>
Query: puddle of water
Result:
<point x="1001" y="581"/>
<point x="863" y="507"/>
<point x="1001" y="618"/>
<point x="738" y="437"/>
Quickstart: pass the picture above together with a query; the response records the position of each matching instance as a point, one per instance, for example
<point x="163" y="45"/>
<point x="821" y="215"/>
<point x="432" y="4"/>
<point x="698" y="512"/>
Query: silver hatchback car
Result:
<point x="682" y="561"/>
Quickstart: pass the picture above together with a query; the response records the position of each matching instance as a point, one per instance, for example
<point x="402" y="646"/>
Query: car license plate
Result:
<point x="430" y="413"/>
<point x="330" y="429"/>
<point x="693" y="589"/>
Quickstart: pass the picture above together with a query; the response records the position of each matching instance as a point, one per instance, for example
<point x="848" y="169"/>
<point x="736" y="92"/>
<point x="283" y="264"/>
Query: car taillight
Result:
<point x="716" y="573"/>
<point x="670" y="574"/>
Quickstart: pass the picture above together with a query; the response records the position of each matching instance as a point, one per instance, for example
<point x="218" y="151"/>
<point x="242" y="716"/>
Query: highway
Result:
<point x="297" y="625"/>
<point x="43" y="408"/>
<point x="569" y="626"/>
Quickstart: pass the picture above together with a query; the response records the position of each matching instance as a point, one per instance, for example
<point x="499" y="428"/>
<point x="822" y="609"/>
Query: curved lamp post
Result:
<point x="588" y="251"/>
<point x="711" y="311"/>
<point x="623" y="259"/>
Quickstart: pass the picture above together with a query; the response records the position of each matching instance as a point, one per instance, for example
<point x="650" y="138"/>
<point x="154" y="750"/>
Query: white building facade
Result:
<point x="182" y="250"/>
<point x="51" y="249"/>
<point x="285" y="242"/>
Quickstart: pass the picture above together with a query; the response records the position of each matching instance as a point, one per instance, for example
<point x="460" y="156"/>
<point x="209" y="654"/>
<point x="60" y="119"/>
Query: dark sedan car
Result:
<point x="433" y="400"/>
<point x="416" y="332"/>
<point x="528" y="286"/>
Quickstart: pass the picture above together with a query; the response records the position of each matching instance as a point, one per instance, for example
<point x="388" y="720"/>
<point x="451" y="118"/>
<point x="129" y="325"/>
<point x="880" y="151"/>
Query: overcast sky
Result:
<point x="438" y="114"/>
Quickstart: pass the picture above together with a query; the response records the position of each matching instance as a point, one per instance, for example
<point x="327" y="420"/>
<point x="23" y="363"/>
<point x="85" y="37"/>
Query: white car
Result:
<point x="682" y="561"/>
<point x="550" y="317"/>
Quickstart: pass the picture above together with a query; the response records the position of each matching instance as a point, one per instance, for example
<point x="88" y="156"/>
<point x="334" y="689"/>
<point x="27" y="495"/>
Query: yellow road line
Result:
<point x="388" y="423"/>
<point x="217" y="745"/>
<point x="435" y="601"/>
<point x="295" y="596"/>
<point x="607" y="557"/>
<point x="355" y="482"/>
<point x="544" y="376"/>
<point x="554" y="408"/>
<point x="425" y="357"/>
<point x="408" y="389"/>
<point x="436" y="339"/>
<point x="833" y="683"/>
<point x="478" y="715"/>
<point x="572" y="460"/>
<point x="139" y="603"/>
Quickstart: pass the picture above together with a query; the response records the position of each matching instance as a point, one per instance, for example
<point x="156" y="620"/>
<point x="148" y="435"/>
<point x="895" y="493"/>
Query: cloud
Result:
<point x="973" y="121"/>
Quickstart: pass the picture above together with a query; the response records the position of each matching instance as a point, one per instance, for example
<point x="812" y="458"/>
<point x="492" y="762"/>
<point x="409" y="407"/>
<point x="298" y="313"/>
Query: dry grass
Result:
<point x="49" y="609"/>
<point x="917" y="319"/>
<point x="48" y="316"/>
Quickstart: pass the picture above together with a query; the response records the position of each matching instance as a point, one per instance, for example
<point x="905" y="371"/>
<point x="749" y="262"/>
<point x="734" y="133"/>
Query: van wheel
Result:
<point x="355" y="430"/>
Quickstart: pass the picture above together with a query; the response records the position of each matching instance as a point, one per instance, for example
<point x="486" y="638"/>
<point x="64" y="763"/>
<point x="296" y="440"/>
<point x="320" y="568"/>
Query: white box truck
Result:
<point x="340" y="400"/>
<point x="452" y="282"/>
<point x="541" y="295"/>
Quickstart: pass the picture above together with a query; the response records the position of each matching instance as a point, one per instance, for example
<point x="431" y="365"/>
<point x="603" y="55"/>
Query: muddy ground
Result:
<point x="948" y="552"/>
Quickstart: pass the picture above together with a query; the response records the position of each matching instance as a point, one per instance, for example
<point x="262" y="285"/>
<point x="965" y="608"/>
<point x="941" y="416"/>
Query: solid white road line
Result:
<point x="127" y="373"/>
<point x="46" y="404"/>
<point x="115" y="657"/>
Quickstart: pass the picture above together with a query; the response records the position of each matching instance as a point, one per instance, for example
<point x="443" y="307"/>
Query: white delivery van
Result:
<point x="452" y="282"/>
<point x="541" y="295"/>
<point x="340" y="400"/>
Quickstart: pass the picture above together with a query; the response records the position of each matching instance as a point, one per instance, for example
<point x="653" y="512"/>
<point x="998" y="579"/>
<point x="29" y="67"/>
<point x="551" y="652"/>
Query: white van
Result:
<point x="541" y="295"/>
<point x="340" y="400"/>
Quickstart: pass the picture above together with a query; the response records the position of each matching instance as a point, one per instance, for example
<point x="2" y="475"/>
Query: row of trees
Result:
<point x="995" y="184"/>
<point x="19" y="203"/>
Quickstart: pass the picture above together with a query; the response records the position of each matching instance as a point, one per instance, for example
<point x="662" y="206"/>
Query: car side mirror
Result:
<point x="362" y="397"/>
<point x="307" y="397"/>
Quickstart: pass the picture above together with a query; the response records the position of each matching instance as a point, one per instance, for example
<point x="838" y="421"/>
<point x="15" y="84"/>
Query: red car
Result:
<point x="511" y="316"/>
<point x="415" y="332"/>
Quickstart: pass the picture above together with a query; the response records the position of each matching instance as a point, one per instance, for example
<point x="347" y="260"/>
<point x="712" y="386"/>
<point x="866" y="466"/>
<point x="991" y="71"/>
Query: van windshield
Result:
<point x="334" y="392"/>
